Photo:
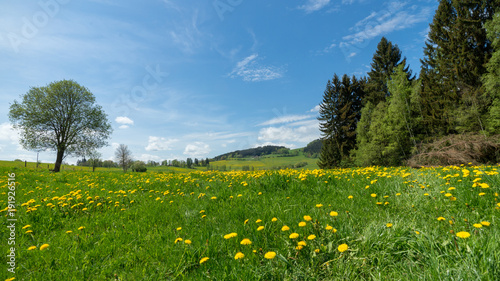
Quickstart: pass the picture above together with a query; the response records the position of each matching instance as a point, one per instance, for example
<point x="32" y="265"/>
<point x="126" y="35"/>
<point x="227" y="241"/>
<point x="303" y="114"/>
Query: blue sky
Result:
<point x="198" y="78"/>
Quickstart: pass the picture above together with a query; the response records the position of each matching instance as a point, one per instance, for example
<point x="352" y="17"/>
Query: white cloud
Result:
<point x="124" y="127"/>
<point x="285" y="119"/>
<point x="124" y="120"/>
<point x="315" y="109"/>
<point x="160" y="144"/>
<point x="314" y="5"/>
<point x="147" y="157"/>
<point x="7" y="133"/>
<point x="250" y="70"/>
<point x="197" y="149"/>
<point x="302" y="132"/>
<point x="384" y="22"/>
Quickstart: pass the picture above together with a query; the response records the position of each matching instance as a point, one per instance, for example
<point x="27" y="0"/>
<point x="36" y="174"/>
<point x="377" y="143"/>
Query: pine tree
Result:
<point x="386" y="58"/>
<point x="340" y="112"/>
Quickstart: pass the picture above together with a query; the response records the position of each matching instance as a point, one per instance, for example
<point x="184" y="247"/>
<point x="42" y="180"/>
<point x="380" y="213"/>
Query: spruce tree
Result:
<point x="455" y="57"/>
<point x="339" y="112"/>
<point x="491" y="79"/>
<point x="386" y="58"/>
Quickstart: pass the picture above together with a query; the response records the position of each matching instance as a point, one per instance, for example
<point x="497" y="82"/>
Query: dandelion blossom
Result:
<point x="477" y="225"/>
<point x="81" y="227"/>
<point x="302" y="224"/>
<point x="334" y="214"/>
<point x="270" y="255"/>
<point x="294" y="236"/>
<point x="463" y="234"/>
<point x="258" y="221"/>
<point x="307" y="218"/>
<point x="319" y="205"/>
<point x="311" y="237"/>
<point x="187" y="241"/>
<point x="302" y="243"/>
<point x="285" y="228"/>
<point x="44" y="246"/>
<point x="178" y="240"/>
<point x="485" y="223"/>
<point x="441" y="219"/>
<point x="389" y="225"/>
<point x="274" y="219"/>
<point x="343" y="247"/>
<point x="373" y="195"/>
<point x="31" y="248"/>
<point x="239" y="255"/>
<point x="69" y="231"/>
<point x="230" y="235"/>
<point x="260" y="228"/>
<point x="26" y="226"/>
<point x="204" y="260"/>
<point x="349" y="197"/>
<point x="246" y="241"/>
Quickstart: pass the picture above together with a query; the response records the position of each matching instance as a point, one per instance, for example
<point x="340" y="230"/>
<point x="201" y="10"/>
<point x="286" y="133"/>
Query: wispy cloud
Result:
<point x="251" y="70"/>
<point x="197" y="149"/>
<point x="314" y="5"/>
<point x="386" y="21"/>
<point x="285" y="119"/>
<point x="301" y="132"/>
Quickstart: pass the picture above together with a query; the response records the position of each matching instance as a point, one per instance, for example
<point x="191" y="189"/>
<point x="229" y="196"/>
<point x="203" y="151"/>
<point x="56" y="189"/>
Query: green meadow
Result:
<point x="345" y="224"/>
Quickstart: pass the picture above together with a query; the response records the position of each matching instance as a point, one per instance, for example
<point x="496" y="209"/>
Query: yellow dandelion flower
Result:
<point x="389" y="225"/>
<point x="270" y="255"/>
<point x="31" y="248"/>
<point x="307" y="218"/>
<point x="285" y="228"/>
<point x="302" y="224"/>
<point x="299" y="247"/>
<point x="246" y="241"/>
<point x="246" y="221"/>
<point x="258" y="221"/>
<point x="485" y="223"/>
<point x="239" y="255"/>
<point x="260" y="228"/>
<point x="448" y="195"/>
<point x="69" y="231"/>
<point x="373" y="195"/>
<point x="477" y="225"/>
<point x="179" y="228"/>
<point x="342" y="248"/>
<point x="26" y="226"/>
<point x="44" y="246"/>
<point x="230" y="235"/>
<point x="311" y="237"/>
<point x="319" y="205"/>
<point x="274" y="219"/>
<point x="416" y="232"/>
<point x="328" y="227"/>
<point x="482" y="194"/>
<point x="302" y="243"/>
<point x="204" y="260"/>
<point x="334" y="214"/>
<point x="187" y="241"/>
<point x="349" y="197"/>
<point x="81" y="228"/>
<point x="463" y="234"/>
<point x="178" y="240"/>
<point x="294" y="236"/>
<point x="441" y="219"/>
<point x="29" y="231"/>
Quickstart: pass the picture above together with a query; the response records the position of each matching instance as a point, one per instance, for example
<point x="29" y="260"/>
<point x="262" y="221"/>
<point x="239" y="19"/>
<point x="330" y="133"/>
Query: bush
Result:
<point x="139" y="166"/>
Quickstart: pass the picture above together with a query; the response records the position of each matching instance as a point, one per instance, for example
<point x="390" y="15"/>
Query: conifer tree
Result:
<point x="491" y="79"/>
<point x="340" y="112"/>
<point x="386" y="58"/>
<point x="455" y="57"/>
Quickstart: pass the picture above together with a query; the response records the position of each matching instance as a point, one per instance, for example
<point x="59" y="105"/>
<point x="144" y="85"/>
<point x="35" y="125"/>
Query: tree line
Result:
<point x="391" y="115"/>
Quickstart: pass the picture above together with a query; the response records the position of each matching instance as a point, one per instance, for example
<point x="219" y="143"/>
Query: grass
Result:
<point x="124" y="226"/>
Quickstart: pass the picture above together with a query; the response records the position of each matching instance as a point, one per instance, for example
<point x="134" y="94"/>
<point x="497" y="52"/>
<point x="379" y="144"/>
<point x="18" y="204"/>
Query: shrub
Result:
<point x="139" y="166"/>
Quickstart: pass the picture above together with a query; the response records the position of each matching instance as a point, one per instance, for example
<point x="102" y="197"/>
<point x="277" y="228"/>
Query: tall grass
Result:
<point x="124" y="226"/>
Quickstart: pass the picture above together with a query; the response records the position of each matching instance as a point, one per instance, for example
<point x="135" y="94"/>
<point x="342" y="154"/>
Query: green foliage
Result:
<point x="491" y="79"/>
<point x="455" y="58"/>
<point x="386" y="58"/>
<point x="62" y="117"/>
<point x="139" y="166"/>
<point x="339" y="112"/>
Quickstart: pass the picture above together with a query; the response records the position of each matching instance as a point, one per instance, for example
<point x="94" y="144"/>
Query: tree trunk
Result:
<point x="59" y="159"/>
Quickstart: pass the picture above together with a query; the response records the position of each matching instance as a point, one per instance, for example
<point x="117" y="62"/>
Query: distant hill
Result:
<point x="313" y="148"/>
<point x="254" y="152"/>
